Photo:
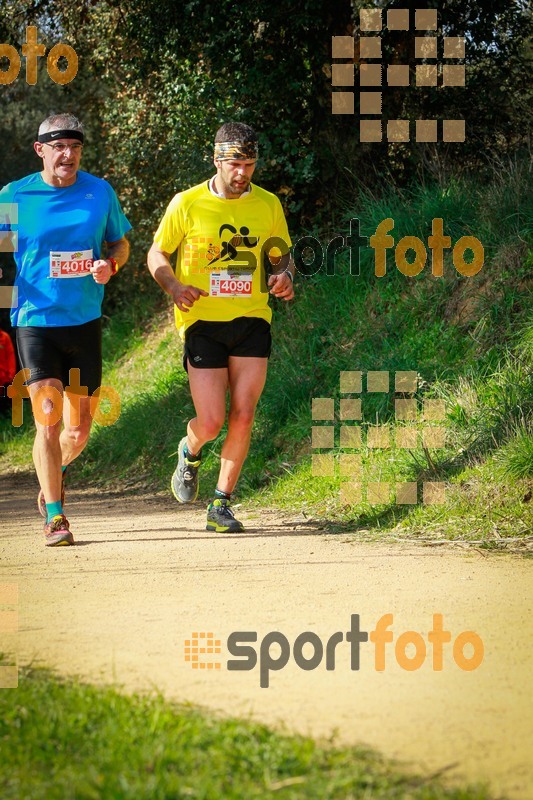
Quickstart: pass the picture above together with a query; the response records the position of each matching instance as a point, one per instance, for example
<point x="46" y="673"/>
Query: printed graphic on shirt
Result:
<point x="202" y="254"/>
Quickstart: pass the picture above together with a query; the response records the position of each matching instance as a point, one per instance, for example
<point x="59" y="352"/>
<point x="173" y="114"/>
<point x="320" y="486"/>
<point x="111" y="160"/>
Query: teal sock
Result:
<point x="53" y="509"/>
<point x="64" y="469"/>
<point x="222" y="495"/>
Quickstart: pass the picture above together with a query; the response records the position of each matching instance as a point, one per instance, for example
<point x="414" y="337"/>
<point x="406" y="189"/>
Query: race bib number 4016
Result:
<point x="230" y="284"/>
<point x="71" y="264"/>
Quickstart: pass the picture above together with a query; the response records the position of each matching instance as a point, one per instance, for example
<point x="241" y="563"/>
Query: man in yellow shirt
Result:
<point x="225" y="230"/>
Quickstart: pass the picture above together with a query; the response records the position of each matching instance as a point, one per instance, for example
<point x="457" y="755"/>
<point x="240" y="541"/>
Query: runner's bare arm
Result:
<point x="102" y="268"/>
<point x="281" y="281"/>
<point x="183" y="295"/>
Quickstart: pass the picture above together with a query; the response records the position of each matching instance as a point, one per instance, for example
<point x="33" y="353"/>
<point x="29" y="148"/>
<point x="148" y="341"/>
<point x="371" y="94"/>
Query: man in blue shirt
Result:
<point x="62" y="217"/>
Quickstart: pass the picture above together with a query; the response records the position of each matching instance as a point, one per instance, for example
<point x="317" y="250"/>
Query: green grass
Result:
<point x="516" y="458"/>
<point x="481" y="506"/>
<point x="64" y="740"/>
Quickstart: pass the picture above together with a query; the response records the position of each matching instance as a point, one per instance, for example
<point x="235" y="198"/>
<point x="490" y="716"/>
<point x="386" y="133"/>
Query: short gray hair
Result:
<point x="64" y="121"/>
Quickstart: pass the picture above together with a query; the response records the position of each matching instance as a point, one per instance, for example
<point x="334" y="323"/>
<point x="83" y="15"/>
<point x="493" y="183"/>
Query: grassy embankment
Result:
<point x="65" y="740"/>
<point x="469" y="339"/>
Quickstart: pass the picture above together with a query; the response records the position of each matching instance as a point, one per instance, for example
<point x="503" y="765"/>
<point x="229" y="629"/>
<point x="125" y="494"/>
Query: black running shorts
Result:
<point x="52" y="352"/>
<point x="208" y="345"/>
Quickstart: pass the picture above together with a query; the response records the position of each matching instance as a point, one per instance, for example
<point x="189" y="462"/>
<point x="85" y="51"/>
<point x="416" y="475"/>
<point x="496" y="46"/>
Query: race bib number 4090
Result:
<point x="230" y="284"/>
<point x="71" y="264"/>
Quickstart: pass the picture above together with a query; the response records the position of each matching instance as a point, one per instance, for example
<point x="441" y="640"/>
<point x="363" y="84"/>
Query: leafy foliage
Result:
<point x="157" y="77"/>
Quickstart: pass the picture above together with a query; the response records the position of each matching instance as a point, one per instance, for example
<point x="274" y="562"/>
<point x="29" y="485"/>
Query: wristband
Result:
<point x="114" y="265"/>
<point x="289" y="273"/>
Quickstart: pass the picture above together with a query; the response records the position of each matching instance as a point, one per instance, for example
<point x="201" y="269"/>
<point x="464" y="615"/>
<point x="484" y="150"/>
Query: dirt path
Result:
<point x="144" y="576"/>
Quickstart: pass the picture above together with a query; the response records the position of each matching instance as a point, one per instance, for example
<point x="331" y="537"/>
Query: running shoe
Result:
<point x="57" y="532"/>
<point x="220" y="518"/>
<point x="184" y="481"/>
<point x="41" y="502"/>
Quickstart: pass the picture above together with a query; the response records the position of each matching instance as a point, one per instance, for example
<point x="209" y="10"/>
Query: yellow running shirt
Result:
<point x="221" y="248"/>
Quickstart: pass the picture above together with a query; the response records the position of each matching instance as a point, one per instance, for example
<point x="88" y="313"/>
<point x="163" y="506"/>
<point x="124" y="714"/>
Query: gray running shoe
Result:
<point x="220" y="518"/>
<point x="184" y="483"/>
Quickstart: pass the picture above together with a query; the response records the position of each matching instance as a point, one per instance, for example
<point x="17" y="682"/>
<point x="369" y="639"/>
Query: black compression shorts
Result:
<point x="52" y="352"/>
<point x="208" y="345"/>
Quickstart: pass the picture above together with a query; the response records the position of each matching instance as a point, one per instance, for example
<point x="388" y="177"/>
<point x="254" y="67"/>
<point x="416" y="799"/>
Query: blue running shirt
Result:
<point x="60" y="231"/>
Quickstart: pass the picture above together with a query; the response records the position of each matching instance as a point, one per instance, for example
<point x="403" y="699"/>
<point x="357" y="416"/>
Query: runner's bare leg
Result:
<point x="77" y="419"/>
<point x="208" y="390"/>
<point x="247" y="378"/>
<point x="53" y="447"/>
